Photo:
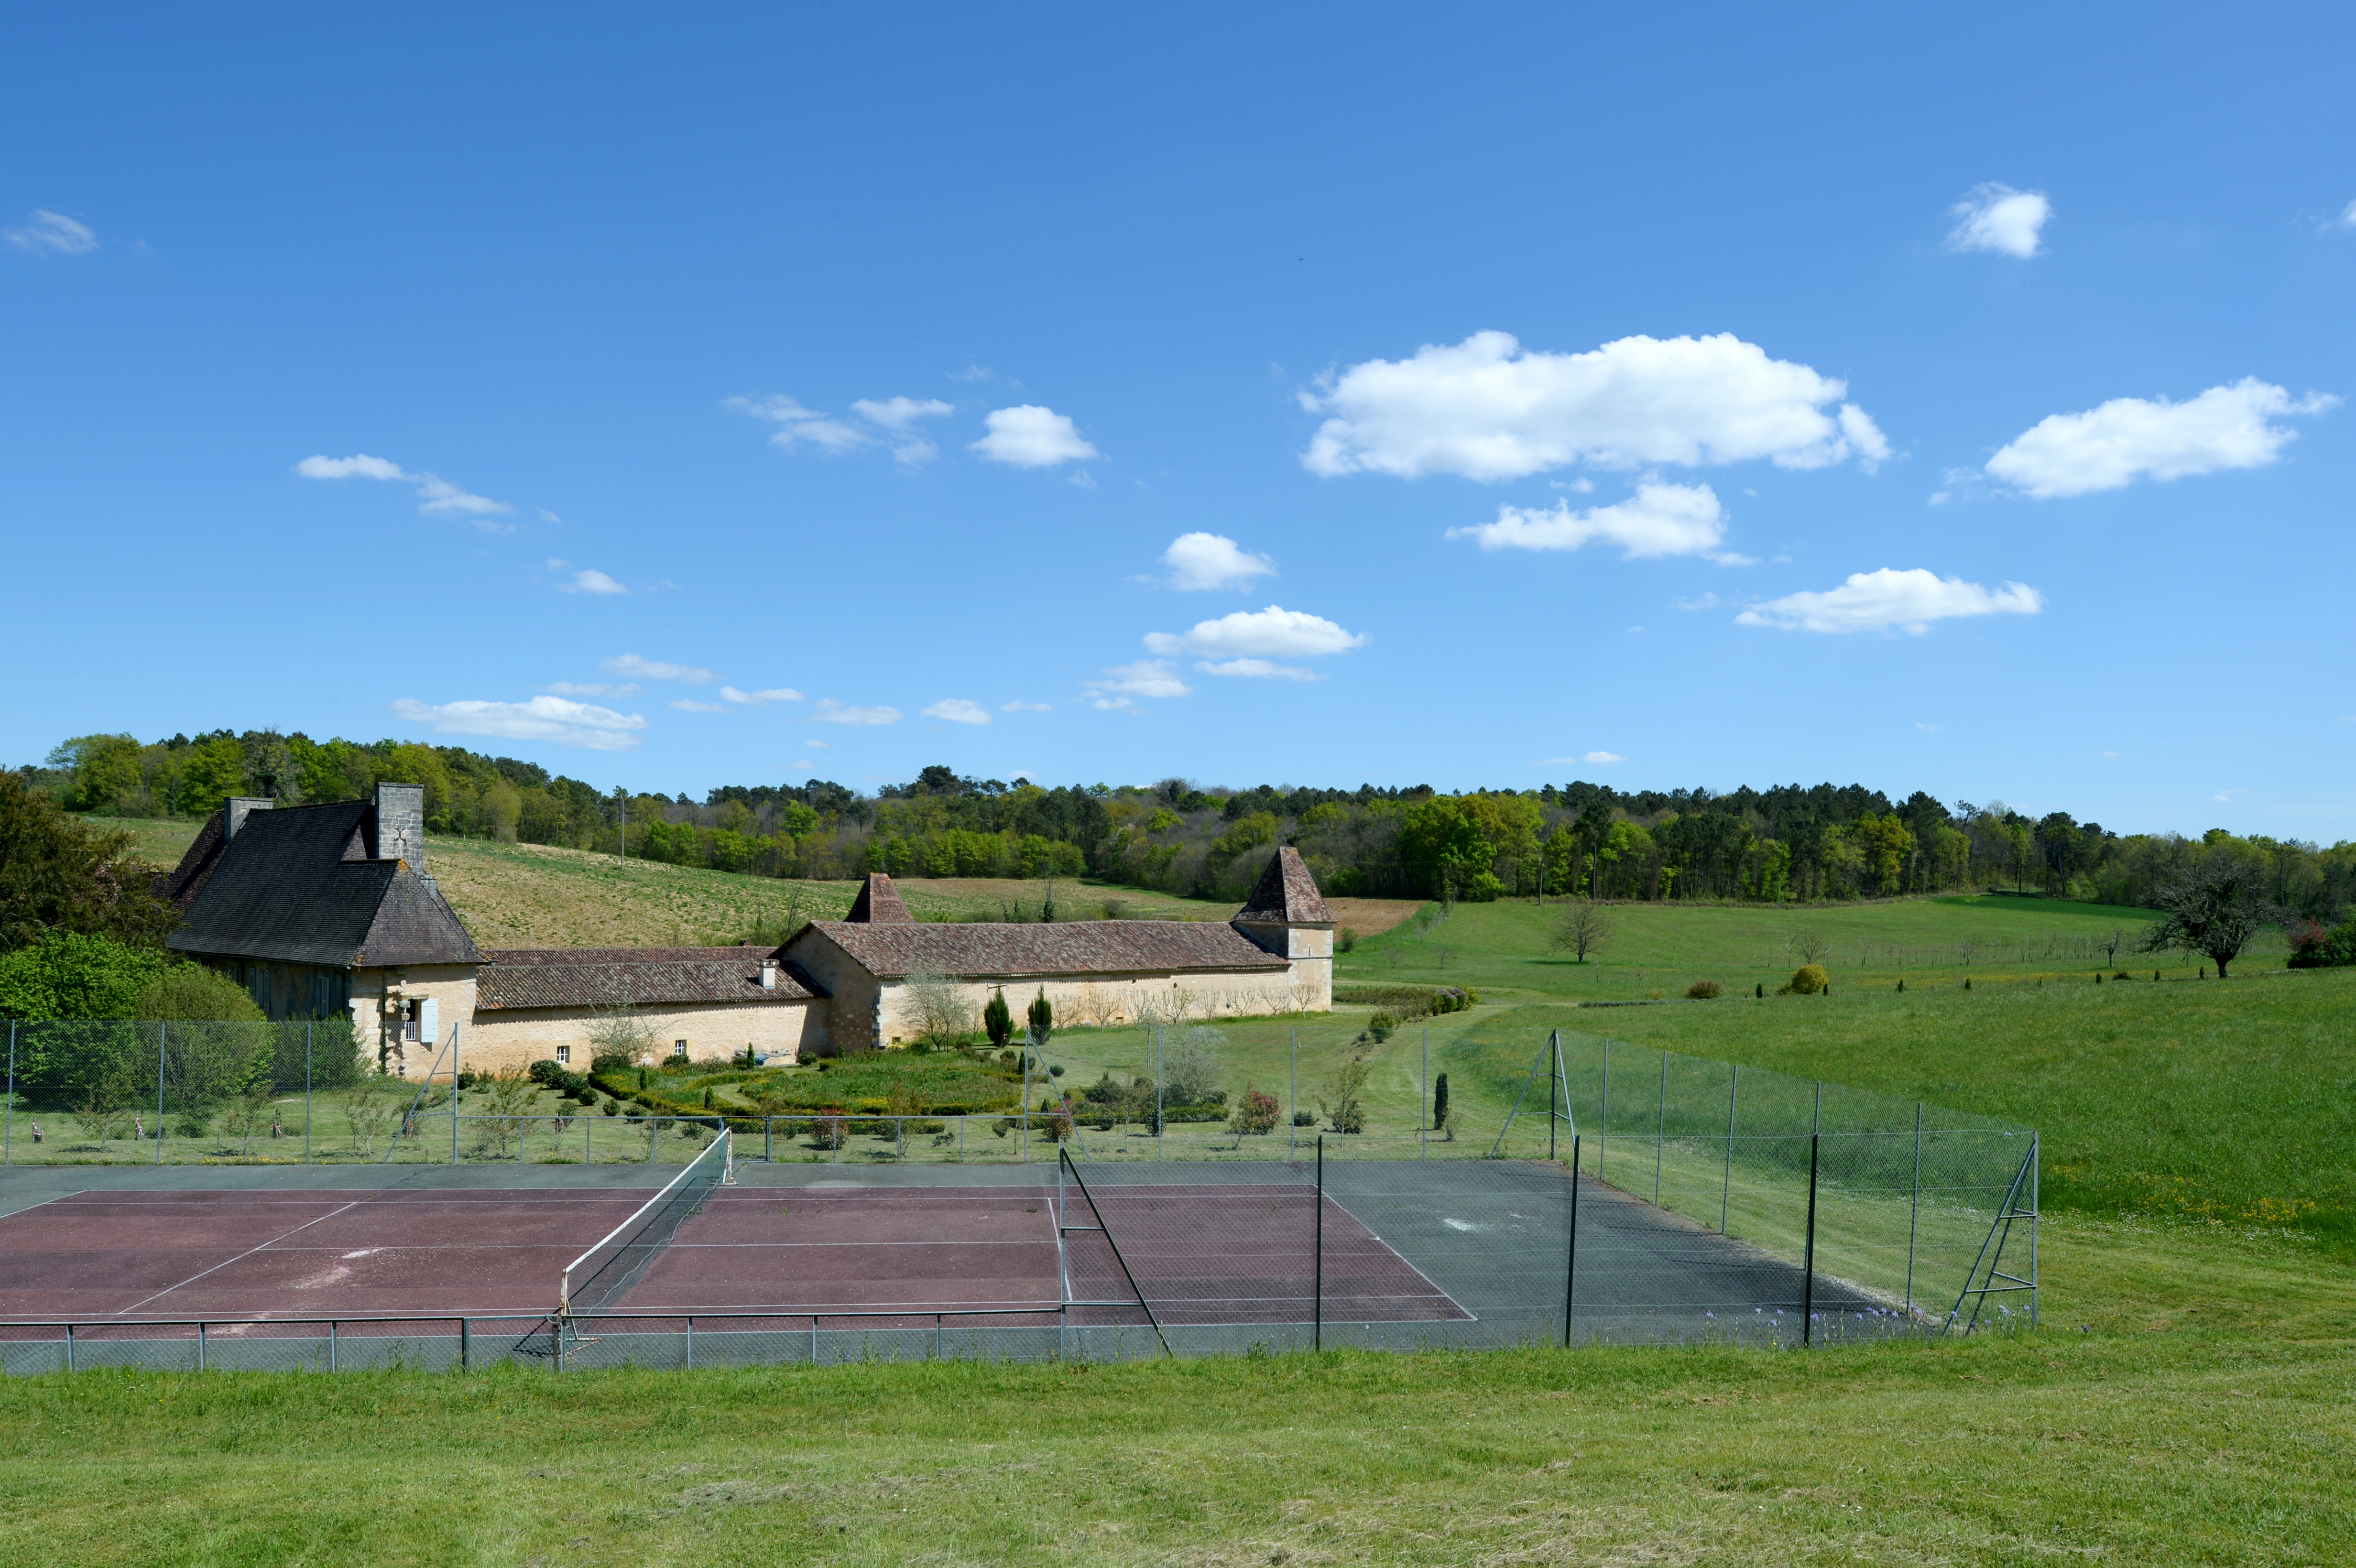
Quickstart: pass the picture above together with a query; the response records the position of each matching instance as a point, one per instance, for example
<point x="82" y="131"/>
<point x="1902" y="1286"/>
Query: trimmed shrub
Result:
<point x="1704" y="991"/>
<point x="1304" y="1118"/>
<point x="1807" y="980"/>
<point x="1255" y="1113"/>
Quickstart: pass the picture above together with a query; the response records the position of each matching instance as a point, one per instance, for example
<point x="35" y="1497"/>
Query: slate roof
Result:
<point x="513" y="977"/>
<point x="878" y="903"/>
<point x="296" y="886"/>
<point x="1286" y="892"/>
<point x="1077" y="947"/>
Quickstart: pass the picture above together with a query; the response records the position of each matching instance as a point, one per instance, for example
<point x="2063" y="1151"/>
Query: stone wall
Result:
<point x="518" y="1036"/>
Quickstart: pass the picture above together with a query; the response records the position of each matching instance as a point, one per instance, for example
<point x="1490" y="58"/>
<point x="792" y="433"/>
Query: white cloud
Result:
<point x="899" y="415"/>
<point x="1660" y="520"/>
<point x="53" y="231"/>
<point x="1260" y="670"/>
<point x="1999" y="218"/>
<point x="1926" y="728"/>
<point x="802" y="763"/>
<point x="760" y="698"/>
<point x="1275" y="630"/>
<point x="591" y="581"/>
<point x="1201" y="560"/>
<point x="1877" y="601"/>
<point x="1019" y="707"/>
<point x="1146" y="677"/>
<point x="551" y="719"/>
<point x="1604" y="757"/>
<point x="574" y="688"/>
<point x="358" y="466"/>
<point x="547" y="517"/>
<point x="1084" y="479"/>
<point x="2130" y="438"/>
<point x="1029" y="436"/>
<point x="442" y="498"/>
<point x="958" y="711"/>
<point x="829" y="711"/>
<point x="819" y="745"/>
<point x="1485" y="410"/>
<point x="687" y="705"/>
<point x="798" y="426"/>
<point x="655" y="670"/>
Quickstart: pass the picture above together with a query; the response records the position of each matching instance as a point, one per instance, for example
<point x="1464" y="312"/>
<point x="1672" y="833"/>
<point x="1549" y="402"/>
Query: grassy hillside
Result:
<point x="1505" y="949"/>
<point x="536" y="895"/>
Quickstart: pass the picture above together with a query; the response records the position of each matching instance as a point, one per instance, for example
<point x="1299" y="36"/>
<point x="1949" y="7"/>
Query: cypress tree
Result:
<point x="1439" y="1102"/>
<point x="1042" y="1017"/>
<point x="996" y="1021"/>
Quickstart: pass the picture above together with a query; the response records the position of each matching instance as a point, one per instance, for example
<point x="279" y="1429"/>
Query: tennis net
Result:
<point x="610" y="1267"/>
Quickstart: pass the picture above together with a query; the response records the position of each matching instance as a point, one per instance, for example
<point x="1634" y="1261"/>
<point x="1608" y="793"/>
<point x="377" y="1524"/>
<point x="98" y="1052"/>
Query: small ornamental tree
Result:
<point x="1255" y="1113"/>
<point x="997" y="1020"/>
<point x="1807" y="980"/>
<point x="1042" y="1018"/>
<point x="1439" y="1103"/>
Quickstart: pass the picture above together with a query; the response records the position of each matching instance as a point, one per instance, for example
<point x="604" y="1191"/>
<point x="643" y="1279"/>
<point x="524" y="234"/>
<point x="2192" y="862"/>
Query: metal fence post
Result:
<point x="654" y="1130"/>
<point x="453" y="1103"/>
<point x="1602" y="1122"/>
<point x="1156" y="1091"/>
<point x="768" y="1140"/>
<point x="1423" y="1128"/>
<point x="1570" y="1252"/>
<point x="1292" y="1095"/>
<point x="1554" y="1044"/>
<point x="163" y="1032"/>
<point x="1317" y="1273"/>
<point x="1661" y="1135"/>
<point x="308" y="1030"/>
<point x="1733" y="1090"/>
<point x="1808" y="1255"/>
<point x="2033" y="1206"/>
<point x="8" y="1139"/>
<point x="1915" y="1211"/>
<point x="465" y="1346"/>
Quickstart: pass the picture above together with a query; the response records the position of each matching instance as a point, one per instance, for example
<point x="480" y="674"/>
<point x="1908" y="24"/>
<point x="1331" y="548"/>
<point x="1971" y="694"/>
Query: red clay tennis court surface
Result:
<point x="1202" y="1254"/>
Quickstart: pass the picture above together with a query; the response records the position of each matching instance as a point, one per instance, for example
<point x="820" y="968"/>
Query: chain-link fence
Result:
<point x="1576" y="1189"/>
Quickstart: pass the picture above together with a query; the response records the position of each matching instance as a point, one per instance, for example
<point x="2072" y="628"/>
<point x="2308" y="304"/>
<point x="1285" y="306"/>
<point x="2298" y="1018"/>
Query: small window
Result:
<point x="679" y="1049"/>
<point x="564" y="1056"/>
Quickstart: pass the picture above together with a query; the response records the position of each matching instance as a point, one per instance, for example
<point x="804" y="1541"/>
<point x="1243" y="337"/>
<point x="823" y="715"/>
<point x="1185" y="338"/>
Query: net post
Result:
<point x="1570" y="1252"/>
<point x="1808" y="1255"/>
<point x="1317" y="1287"/>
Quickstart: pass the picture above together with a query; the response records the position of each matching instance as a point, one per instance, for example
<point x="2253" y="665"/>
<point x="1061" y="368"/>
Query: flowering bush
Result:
<point x="1255" y="1113"/>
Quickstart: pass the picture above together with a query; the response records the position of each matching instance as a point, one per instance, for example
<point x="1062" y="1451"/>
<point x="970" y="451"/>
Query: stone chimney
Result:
<point x="234" y="814"/>
<point x="401" y="824"/>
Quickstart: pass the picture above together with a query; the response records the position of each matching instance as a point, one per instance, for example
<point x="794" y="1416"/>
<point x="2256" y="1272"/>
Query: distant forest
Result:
<point x="1786" y="843"/>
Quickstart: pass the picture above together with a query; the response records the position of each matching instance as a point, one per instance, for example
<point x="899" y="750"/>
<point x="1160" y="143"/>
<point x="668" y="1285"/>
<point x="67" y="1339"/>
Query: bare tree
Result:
<point x="1810" y="946"/>
<point x="938" y="1009"/>
<point x="2213" y="910"/>
<point x="1584" y="928"/>
<point x="2111" y="942"/>
<point x="619" y="1037"/>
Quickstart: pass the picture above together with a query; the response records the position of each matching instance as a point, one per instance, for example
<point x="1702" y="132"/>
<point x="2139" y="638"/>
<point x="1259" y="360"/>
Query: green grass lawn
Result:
<point x="1505" y="949"/>
<point x="2190" y="1405"/>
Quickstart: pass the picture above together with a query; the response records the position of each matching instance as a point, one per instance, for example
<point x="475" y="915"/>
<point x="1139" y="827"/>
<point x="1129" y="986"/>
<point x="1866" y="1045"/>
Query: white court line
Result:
<point x="226" y="1262"/>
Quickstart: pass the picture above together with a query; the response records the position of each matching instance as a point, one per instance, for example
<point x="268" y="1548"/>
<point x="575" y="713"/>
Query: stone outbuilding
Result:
<point x="883" y="970"/>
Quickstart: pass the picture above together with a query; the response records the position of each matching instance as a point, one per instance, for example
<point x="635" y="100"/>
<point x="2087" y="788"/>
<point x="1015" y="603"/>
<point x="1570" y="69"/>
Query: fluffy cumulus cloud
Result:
<point x="958" y="711"/>
<point x="53" y="232"/>
<point x="555" y="719"/>
<point x="1257" y="669"/>
<point x="438" y="496"/>
<point x="829" y="711"/>
<point x="2131" y="438"/>
<point x="1658" y="520"/>
<point x="1030" y="436"/>
<point x="1146" y="677"/>
<point x="1201" y="560"/>
<point x="631" y="665"/>
<point x="1879" y="601"/>
<point x="591" y="581"/>
<point x="1272" y="633"/>
<point x="798" y="426"/>
<point x="1999" y="218"/>
<point x="1485" y="410"/>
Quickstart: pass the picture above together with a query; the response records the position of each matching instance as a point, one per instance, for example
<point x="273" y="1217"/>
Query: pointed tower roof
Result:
<point x="878" y="903"/>
<point x="1287" y="893"/>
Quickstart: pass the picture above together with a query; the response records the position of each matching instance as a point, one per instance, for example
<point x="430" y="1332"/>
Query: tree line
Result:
<point x="1786" y="843"/>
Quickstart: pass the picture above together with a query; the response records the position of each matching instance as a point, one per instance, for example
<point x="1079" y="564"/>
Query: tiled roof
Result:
<point x="296" y="885"/>
<point x="878" y="902"/>
<point x="1286" y="892"/>
<point x="1076" y="947"/>
<point x="514" y="977"/>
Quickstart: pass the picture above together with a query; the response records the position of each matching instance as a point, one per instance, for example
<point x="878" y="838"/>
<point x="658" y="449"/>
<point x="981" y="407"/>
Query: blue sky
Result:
<point x="1313" y="395"/>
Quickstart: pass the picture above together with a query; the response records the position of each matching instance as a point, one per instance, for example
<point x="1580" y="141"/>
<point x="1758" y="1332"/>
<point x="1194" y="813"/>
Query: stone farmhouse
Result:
<point x="322" y="911"/>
